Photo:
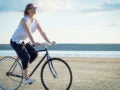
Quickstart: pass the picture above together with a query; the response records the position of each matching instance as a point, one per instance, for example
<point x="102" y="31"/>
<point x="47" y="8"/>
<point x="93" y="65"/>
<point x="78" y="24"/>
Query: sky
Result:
<point x="66" y="21"/>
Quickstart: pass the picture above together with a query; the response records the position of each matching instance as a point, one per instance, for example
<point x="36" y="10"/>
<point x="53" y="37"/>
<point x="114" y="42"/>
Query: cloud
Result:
<point x="107" y="6"/>
<point x="54" y="5"/>
<point x="45" y="5"/>
<point x="96" y="5"/>
<point x="110" y="6"/>
<point x="113" y="24"/>
<point x="14" y="5"/>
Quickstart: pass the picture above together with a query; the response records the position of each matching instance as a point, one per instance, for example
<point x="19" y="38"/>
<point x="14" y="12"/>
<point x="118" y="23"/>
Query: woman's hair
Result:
<point x="27" y="8"/>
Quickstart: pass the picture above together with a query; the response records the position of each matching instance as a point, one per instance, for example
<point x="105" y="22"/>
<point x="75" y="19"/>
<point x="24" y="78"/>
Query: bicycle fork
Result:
<point x="52" y="69"/>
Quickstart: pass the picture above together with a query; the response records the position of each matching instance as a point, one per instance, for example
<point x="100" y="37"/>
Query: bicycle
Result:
<point x="55" y="72"/>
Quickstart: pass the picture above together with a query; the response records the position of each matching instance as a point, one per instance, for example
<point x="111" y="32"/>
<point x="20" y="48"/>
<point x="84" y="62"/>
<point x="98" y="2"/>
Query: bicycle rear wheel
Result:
<point x="11" y="74"/>
<point x="56" y="75"/>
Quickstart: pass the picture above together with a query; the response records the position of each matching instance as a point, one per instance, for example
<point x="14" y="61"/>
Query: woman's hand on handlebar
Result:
<point x="36" y="44"/>
<point x="47" y="43"/>
<point x="51" y="43"/>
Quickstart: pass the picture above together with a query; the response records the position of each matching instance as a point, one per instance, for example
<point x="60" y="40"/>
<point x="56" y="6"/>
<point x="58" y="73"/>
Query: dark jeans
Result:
<point x="25" y="52"/>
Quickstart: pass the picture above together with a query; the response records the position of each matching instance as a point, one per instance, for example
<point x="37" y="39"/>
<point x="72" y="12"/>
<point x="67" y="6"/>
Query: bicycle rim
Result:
<point x="62" y="72"/>
<point x="7" y="81"/>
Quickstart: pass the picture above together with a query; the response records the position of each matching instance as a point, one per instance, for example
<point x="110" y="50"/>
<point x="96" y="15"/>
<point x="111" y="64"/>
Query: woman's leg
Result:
<point x="23" y="55"/>
<point x="32" y="52"/>
<point x="25" y="71"/>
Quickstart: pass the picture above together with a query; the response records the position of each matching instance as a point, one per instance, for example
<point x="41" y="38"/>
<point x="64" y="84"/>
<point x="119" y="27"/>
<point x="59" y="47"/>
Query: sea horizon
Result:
<point x="72" y="50"/>
<point x="73" y="47"/>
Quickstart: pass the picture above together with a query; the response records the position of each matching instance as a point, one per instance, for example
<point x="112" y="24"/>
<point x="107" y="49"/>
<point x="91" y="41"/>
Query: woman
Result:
<point x="24" y="50"/>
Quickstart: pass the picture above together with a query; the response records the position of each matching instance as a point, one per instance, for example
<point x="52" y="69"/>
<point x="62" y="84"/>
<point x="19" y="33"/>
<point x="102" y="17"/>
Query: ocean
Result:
<point x="78" y="54"/>
<point x="72" y="50"/>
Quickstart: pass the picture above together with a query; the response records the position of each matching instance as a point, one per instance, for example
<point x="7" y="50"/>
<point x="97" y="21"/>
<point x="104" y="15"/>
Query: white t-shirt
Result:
<point x="20" y="35"/>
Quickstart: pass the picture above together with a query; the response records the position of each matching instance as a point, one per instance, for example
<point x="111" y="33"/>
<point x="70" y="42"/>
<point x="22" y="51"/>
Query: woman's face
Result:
<point x="32" y="9"/>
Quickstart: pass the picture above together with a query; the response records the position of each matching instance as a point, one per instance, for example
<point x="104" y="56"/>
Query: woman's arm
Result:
<point x="26" y="27"/>
<point x="42" y="33"/>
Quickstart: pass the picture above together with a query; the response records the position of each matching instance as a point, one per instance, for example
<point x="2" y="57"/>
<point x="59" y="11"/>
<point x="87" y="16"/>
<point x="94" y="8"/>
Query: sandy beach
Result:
<point x="88" y="74"/>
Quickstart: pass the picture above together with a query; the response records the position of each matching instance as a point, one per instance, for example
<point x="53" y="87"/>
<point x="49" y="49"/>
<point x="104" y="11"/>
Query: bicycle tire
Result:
<point x="64" y="79"/>
<point x="10" y="80"/>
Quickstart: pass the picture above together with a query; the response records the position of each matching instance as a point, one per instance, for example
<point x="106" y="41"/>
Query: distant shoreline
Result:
<point x="75" y="47"/>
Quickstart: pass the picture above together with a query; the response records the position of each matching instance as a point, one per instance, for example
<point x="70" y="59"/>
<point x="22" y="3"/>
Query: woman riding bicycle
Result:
<point x="28" y="25"/>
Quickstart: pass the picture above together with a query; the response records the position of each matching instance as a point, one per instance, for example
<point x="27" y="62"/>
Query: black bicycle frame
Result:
<point x="51" y="67"/>
<point x="46" y="55"/>
<point x="12" y="68"/>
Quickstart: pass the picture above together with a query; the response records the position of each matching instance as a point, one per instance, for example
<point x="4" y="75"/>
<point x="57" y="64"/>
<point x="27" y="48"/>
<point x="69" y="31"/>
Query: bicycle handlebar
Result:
<point x="47" y="44"/>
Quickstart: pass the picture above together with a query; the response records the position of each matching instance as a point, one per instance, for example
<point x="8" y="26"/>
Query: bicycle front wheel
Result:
<point x="56" y="75"/>
<point x="11" y="74"/>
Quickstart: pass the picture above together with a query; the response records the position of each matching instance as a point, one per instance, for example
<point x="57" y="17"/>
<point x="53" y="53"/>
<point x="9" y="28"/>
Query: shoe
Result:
<point x="29" y="81"/>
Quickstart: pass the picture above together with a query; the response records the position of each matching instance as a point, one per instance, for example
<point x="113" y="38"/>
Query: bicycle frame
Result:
<point x="51" y="67"/>
<point x="51" y="71"/>
<point x="12" y="68"/>
<point x="46" y="55"/>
